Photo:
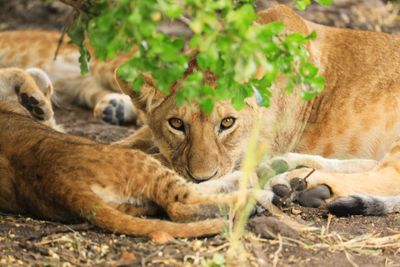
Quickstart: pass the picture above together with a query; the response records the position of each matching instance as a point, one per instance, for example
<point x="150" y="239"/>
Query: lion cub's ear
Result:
<point x="147" y="98"/>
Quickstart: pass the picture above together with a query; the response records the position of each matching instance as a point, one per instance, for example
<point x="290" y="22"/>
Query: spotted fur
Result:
<point x="56" y="176"/>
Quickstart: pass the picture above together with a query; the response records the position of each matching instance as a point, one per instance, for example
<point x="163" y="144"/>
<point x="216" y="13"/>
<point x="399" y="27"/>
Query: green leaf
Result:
<point x="147" y="29"/>
<point x="318" y="83"/>
<point x="77" y="34"/>
<point x="135" y="18"/>
<point x="308" y="95"/>
<point x="207" y="105"/>
<point x="302" y="4"/>
<point x="324" y="2"/>
<point x="180" y="98"/>
<point x="308" y="70"/>
<point x="245" y="14"/>
<point x="84" y="59"/>
<point x="138" y="82"/>
<point x="173" y="11"/>
<point x="271" y="29"/>
<point x="202" y="60"/>
<point x="229" y="44"/>
<point x="312" y="35"/>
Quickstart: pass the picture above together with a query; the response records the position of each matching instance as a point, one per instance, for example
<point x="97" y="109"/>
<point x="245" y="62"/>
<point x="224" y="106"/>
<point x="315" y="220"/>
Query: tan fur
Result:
<point x="61" y="177"/>
<point x="357" y="115"/>
<point x="33" y="89"/>
<point x="346" y="178"/>
<point x="26" y="49"/>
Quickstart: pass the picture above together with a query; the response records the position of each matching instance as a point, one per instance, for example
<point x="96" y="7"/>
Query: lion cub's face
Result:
<point x="200" y="146"/>
<point x="197" y="145"/>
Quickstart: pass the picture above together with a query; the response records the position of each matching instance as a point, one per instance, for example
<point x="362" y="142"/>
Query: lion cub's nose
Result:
<point x="202" y="177"/>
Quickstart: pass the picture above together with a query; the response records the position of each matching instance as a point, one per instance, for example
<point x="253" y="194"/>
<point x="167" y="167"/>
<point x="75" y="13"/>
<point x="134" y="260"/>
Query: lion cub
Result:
<point x="61" y="177"/>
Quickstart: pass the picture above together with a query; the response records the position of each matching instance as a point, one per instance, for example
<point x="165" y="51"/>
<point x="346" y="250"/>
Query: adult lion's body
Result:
<point x="356" y="116"/>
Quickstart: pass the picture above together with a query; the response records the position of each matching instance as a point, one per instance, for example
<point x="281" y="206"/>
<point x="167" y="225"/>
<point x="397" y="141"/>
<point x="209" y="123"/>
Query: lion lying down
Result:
<point x="61" y="177"/>
<point x="353" y="125"/>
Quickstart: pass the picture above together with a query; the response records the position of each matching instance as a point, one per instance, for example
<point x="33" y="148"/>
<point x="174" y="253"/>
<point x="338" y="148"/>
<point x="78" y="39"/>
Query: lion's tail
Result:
<point x="364" y="205"/>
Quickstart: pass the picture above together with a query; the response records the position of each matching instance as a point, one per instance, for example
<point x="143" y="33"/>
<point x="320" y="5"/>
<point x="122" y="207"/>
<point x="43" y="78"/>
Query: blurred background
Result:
<point x="375" y="15"/>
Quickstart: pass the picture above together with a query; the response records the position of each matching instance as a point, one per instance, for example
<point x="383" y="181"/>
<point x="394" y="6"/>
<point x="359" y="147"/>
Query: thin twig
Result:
<point x="349" y="258"/>
<point x="68" y="22"/>
<point x="185" y="20"/>
<point x="277" y="252"/>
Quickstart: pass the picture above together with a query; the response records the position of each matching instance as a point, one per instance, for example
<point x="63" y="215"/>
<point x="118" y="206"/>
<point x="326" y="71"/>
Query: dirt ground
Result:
<point x="353" y="241"/>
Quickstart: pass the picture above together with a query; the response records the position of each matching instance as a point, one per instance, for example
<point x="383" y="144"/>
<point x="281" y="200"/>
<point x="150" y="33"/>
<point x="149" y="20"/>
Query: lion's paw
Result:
<point x="299" y="187"/>
<point x="115" y="109"/>
<point x="35" y="102"/>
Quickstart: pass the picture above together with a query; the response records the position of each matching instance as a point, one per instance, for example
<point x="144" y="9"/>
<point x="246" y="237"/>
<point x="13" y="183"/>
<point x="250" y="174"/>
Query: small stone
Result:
<point x="196" y="245"/>
<point x="127" y="258"/>
<point x="295" y="211"/>
<point x="161" y="237"/>
<point x="270" y="227"/>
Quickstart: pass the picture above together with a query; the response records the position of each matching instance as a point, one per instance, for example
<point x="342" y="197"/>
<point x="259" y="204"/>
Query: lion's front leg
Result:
<point x="199" y="202"/>
<point x="290" y="161"/>
<point x="314" y="188"/>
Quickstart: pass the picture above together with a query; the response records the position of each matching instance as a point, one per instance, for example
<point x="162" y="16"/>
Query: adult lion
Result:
<point x="357" y="116"/>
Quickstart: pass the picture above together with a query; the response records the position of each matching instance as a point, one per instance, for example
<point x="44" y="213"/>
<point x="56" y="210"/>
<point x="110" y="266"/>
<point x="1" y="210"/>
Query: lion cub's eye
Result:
<point x="177" y="124"/>
<point x="227" y="123"/>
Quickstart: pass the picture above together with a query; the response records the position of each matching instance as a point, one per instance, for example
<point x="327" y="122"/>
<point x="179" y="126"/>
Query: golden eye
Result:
<point x="227" y="123"/>
<point x="177" y="124"/>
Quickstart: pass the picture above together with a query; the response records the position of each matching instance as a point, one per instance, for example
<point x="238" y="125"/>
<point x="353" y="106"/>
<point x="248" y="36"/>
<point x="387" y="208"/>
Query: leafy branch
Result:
<point x="226" y="40"/>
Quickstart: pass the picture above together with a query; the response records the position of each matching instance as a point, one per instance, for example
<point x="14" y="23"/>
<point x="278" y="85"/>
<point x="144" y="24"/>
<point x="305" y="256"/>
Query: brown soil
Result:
<point x="362" y="241"/>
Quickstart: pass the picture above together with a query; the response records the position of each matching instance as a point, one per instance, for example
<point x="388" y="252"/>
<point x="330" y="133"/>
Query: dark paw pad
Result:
<point x="32" y="104"/>
<point x="298" y="184"/>
<point x="281" y="190"/>
<point x="298" y="193"/>
<point x="114" y="113"/>
<point x="314" y="197"/>
<point x="282" y="195"/>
